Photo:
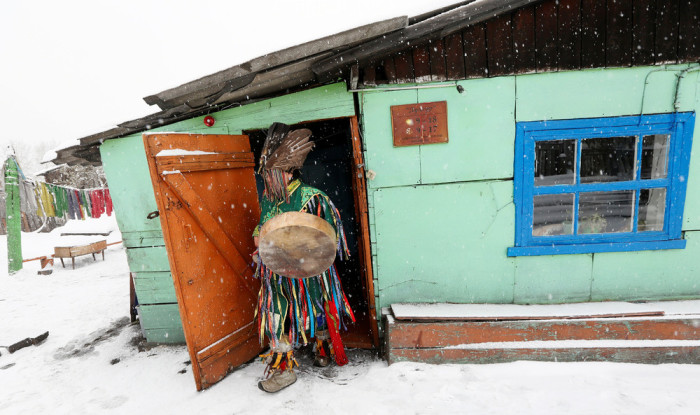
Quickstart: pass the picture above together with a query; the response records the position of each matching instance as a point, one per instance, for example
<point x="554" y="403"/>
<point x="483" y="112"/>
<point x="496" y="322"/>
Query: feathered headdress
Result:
<point x="283" y="151"/>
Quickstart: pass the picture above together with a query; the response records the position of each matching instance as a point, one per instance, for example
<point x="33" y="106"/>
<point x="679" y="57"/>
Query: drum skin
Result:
<point x="297" y="245"/>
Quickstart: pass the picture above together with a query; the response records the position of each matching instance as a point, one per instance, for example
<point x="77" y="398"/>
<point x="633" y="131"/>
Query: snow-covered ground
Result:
<point x="94" y="363"/>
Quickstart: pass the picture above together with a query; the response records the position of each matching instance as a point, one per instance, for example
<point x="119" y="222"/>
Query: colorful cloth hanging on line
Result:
<point x="50" y="200"/>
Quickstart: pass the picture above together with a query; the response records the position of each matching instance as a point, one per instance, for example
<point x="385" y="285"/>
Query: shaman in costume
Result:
<point x="293" y="311"/>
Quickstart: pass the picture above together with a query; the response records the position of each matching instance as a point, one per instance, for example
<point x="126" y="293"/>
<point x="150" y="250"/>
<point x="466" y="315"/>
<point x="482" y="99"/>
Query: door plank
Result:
<point x="211" y="227"/>
<point x="205" y="162"/>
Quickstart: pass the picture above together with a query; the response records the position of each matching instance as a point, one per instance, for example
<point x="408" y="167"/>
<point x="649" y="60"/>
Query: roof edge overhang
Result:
<point x="439" y="26"/>
<point x="201" y="91"/>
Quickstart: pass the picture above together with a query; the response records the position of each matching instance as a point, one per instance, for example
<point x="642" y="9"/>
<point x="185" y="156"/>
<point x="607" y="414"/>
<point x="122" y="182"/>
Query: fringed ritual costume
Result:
<point x="297" y="310"/>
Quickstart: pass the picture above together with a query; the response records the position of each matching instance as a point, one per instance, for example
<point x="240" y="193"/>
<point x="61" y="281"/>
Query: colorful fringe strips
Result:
<point x="275" y="185"/>
<point x="302" y="312"/>
<point x="278" y="361"/>
<point x="305" y="313"/>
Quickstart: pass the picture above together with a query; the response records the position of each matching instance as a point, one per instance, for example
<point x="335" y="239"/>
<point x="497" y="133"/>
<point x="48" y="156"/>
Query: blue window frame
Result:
<point x="601" y="184"/>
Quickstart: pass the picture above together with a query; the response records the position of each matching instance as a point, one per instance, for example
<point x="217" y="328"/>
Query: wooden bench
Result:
<point x="78" y="250"/>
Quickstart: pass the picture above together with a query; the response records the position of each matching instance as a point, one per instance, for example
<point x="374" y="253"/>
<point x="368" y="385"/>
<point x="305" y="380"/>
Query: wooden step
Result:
<point x="413" y="334"/>
<point x="671" y="338"/>
<point x="680" y="351"/>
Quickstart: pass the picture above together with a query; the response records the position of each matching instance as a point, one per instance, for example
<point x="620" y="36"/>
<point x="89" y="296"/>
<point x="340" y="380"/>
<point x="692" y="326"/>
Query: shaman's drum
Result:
<point x="297" y="245"/>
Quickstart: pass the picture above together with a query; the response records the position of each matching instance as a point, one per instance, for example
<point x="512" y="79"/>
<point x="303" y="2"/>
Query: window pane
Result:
<point x="655" y="156"/>
<point x="606" y="212"/>
<point x="554" y="162"/>
<point x="553" y="215"/>
<point x="608" y="159"/>
<point x="652" y="208"/>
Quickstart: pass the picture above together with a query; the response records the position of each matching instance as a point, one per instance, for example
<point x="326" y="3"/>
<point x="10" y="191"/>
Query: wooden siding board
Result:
<point x="163" y="317"/>
<point x="644" y="29"/>
<point x="618" y="45"/>
<point x="369" y="74"/>
<point x="148" y="259"/>
<point x="403" y="62"/>
<point x="689" y="30"/>
<point x="454" y="56"/>
<point x="438" y="67"/>
<point x="161" y="323"/>
<point x="475" y="56"/>
<point x="546" y="36"/>
<point x="389" y="69"/>
<point x="569" y="33"/>
<point x="499" y="35"/>
<point x="143" y="239"/>
<point x="666" y="42"/>
<point x="524" y="40"/>
<point x="165" y="336"/>
<point x="593" y="16"/>
<point x="564" y="35"/>
<point x="154" y="287"/>
<point x="421" y="63"/>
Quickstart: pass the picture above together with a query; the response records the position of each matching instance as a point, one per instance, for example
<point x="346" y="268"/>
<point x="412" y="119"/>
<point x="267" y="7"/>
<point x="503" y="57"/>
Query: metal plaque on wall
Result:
<point x="424" y="123"/>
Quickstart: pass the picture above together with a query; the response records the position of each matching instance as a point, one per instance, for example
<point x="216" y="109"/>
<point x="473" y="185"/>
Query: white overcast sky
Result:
<point x="72" y="68"/>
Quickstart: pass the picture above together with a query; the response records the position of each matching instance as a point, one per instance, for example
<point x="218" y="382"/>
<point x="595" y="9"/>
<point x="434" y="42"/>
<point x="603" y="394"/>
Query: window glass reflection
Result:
<point x="654" y="156"/>
<point x="652" y="208"/>
<point x="606" y="212"/>
<point x="555" y="162"/>
<point x="607" y="159"/>
<point x="553" y="215"/>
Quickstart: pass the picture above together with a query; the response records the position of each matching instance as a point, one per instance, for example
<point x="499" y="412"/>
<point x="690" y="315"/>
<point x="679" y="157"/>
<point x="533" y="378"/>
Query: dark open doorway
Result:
<point x="330" y="168"/>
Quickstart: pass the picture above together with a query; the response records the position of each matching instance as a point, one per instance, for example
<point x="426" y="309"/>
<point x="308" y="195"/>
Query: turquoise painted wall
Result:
<point x="126" y="170"/>
<point x="442" y="215"/>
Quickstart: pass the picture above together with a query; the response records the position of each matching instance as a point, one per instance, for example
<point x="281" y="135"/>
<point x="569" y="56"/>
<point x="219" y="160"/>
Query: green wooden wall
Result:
<point x="126" y="169"/>
<point x="442" y="215"/>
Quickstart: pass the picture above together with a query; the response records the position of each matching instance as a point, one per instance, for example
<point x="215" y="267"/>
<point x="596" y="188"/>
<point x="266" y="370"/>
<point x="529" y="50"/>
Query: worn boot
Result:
<point x="280" y="368"/>
<point x="279" y="380"/>
<point x="322" y="357"/>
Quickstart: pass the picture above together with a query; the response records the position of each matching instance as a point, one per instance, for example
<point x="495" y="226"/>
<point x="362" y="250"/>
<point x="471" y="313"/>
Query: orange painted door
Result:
<point x="208" y="205"/>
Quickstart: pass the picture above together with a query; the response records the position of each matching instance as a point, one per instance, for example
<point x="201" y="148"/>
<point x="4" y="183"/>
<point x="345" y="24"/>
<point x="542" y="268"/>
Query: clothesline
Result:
<point x="52" y="200"/>
<point x="45" y="200"/>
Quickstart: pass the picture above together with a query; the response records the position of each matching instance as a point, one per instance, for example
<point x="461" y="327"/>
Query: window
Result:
<point x="601" y="184"/>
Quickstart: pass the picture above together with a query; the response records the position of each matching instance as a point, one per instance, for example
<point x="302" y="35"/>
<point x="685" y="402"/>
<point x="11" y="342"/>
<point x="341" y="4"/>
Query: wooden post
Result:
<point x="14" y="218"/>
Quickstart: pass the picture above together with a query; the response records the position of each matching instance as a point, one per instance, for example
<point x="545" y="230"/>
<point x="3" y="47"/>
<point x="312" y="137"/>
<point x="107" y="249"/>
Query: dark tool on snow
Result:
<point x="27" y="342"/>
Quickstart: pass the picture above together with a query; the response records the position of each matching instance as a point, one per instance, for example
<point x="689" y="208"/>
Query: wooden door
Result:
<point x="208" y="206"/>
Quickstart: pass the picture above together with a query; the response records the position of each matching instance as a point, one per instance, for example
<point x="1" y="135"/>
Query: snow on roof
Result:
<point x="48" y="169"/>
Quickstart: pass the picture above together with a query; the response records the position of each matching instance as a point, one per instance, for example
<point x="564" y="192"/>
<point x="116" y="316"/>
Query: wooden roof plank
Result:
<point x="202" y="87"/>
